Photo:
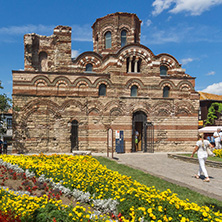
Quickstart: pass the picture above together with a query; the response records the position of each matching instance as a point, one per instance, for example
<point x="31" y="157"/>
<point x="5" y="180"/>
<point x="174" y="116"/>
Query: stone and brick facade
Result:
<point x="66" y="104"/>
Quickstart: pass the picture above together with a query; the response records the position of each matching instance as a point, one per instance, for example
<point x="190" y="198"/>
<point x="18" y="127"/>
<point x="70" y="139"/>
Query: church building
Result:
<point x="103" y="98"/>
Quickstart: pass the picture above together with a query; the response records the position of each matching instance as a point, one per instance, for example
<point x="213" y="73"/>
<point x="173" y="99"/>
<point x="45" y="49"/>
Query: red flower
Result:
<point x="34" y="180"/>
<point x="57" y="197"/>
<point x="24" y="176"/>
<point x="113" y="216"/>
<point x="34" y="188"/>
<point x="46" y="189"/>
<point x="14" y="176"/>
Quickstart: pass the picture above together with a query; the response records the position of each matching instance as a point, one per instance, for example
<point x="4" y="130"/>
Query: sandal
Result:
<point x="196" y="176"/>
<point x="206" y="180"/>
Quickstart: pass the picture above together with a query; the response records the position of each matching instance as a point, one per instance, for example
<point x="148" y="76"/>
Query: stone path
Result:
<point x="175" y="171"/>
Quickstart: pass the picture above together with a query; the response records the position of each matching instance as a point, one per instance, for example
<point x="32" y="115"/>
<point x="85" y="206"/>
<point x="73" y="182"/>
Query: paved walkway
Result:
<point x="175" y="171"/>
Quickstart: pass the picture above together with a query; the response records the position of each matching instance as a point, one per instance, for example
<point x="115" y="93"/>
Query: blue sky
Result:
<point x="189" y="30"/>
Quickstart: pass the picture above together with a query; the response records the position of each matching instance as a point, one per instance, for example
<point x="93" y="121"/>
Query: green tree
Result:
<point x="5" y="105"/>
<point x="5" y="102"/>
<point x="213" y="110"/>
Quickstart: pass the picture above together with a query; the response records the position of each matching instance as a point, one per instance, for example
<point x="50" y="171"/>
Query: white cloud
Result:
<point x="194" y="7"/>
<point x="210" y="73"/>
<point x="79" y="33"/>
<point x="75" y="53"/>
<point x="161" y="5"/>
<point x="148" y="22"/>
<point x="181" y="32"/>
<point x="215" y="88"/>
<point x="169" y="18"/>
<point x="186" y="61"/>
<point x="176" y="34"/>
<point x="21" y="30"/>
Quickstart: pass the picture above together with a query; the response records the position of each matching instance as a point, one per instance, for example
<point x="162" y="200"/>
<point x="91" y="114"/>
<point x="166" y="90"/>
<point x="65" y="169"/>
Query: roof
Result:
<point x="209" y="129"/>
<point x="9" y="111"/>
<point x="209" y="96"/>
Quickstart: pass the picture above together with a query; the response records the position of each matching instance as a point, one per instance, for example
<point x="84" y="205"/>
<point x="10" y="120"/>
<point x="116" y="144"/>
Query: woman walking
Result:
<point x="201" y="149"/>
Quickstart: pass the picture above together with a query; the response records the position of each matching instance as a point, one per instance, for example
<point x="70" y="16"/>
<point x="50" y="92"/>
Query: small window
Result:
<point x="166" y="91"/>
<point x="89" y="67"/>
<point x="123" y="38"/>
<point x="163" y="70"/>
<point x="102" y="90"/>
<point x="134" y="90"/>
<point x="43" y="61"/>
<point x="108" y="40"/>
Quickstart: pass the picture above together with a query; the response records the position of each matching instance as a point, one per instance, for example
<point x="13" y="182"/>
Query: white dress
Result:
<point x="202" y="151"/>
<point x="202" y="156"/>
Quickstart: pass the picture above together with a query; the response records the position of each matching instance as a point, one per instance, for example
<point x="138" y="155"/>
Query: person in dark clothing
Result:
<point x="0" y="146"/>
<point x="5" y="146"/>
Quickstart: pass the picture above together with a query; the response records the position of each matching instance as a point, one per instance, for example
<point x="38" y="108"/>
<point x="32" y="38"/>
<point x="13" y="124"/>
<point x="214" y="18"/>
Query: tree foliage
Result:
<point x="213" y="110"/>
<point x="5" y="105"/>
<point x="5" y="102"/>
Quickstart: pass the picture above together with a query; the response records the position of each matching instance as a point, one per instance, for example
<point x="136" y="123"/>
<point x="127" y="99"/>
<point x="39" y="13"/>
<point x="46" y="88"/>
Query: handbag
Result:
<point x="209" y="152"/>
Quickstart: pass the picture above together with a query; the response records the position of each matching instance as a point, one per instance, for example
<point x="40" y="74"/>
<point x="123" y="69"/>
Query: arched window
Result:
<point x="166" y="91"/>
<point x="89" y="67"/>
<point x="134" y="90"/>
<point x="74" y="135"/>
<point x="102" y="90"/>
<point x="163" y="70"/>
<point x="43" y="61"/>
<point x="123" y="38"/>
<point x="133" y="64"/>
<point x="108" y="40"/>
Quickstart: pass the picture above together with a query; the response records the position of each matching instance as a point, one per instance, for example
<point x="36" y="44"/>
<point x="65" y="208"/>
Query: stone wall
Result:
<point x="48" y="53"/>
<point x="44" y="123"/>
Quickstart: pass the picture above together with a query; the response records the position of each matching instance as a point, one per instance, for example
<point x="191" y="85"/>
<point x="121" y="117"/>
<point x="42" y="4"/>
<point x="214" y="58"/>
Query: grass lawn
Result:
<point x="212" y="158"/>
<point x="160" y="184"/>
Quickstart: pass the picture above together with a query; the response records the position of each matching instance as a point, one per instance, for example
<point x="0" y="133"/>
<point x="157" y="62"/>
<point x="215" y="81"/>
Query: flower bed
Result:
<point x="218" y="152"/>
<point x="85" y="178"/>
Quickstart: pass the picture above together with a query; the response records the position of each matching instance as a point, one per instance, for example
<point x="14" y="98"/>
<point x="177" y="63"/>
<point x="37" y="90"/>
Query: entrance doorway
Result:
<point x="139" y="120"/>
<point x="74" y="135"/>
